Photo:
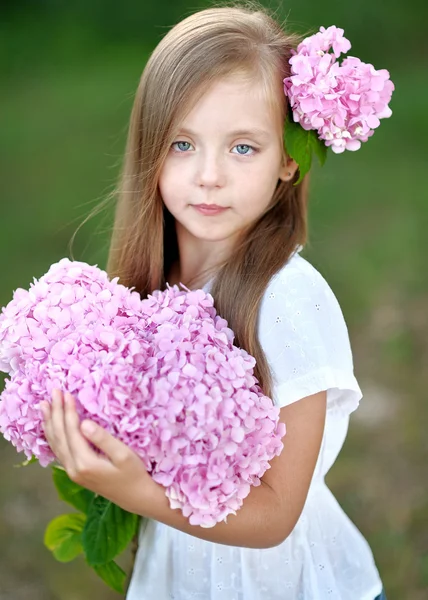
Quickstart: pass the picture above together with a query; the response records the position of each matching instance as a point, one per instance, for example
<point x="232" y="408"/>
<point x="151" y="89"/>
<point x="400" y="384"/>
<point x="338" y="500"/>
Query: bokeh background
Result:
<point x="69" y="71"/>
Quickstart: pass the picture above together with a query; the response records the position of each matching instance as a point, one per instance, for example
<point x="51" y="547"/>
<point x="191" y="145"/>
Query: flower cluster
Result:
<point x="342" y="102"/>
<point x="161" y="374"/>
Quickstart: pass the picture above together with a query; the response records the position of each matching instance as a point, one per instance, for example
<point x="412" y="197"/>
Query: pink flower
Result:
<point x="342" y="102"/>
<point x="161" y="374"/>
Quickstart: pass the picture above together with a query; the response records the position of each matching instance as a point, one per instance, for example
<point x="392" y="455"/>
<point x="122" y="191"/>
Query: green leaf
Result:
<point x="320" y="149"/>
<point x="29" y="461"/>
<point x="63" y="536"/>
<point x="300" y="143"/>
<point x="108" y="531"/>
<point x="71" y="492"/>
<point x="112" y="574"/>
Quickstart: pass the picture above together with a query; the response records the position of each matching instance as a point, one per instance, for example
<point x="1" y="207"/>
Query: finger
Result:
<point x="45" y="408"/>
<point x="47" y="428"/>
<point x="115" y="450"/>
<point x="79" y="447"/>
<point x="59" y="435"/>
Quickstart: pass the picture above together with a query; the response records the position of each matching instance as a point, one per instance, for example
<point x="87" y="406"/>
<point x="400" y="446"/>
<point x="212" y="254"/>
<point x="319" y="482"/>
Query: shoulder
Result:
<point x="297" y="275"/>
<point x="299" y="291"/>
<point x="305" y="338"/>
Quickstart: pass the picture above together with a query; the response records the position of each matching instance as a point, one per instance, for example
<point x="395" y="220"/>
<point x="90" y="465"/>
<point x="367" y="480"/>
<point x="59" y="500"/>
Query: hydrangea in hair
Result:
<point x="161" y="374"/>
<point x="343" y="102"/>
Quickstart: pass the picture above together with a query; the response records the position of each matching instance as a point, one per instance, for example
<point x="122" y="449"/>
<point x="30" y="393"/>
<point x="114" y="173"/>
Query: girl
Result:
<point x="206" y="130"/>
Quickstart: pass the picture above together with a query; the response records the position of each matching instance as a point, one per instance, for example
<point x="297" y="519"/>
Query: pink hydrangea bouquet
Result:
<point x="161" y="374"/>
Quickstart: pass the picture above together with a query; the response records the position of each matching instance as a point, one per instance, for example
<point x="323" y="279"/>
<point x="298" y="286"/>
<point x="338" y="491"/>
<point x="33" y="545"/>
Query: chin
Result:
<point x="211" y="234"/>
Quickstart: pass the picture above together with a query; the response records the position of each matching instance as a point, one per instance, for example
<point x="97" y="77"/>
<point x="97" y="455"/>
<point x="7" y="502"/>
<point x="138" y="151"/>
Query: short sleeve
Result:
<point x="304" y="335"/>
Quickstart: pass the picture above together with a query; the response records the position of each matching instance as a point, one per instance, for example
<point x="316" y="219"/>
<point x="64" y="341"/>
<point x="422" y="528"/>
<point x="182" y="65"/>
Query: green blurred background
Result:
<point x="69" y="72"/>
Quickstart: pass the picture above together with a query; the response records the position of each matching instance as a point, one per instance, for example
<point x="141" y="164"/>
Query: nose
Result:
<point x="210" y="171"/>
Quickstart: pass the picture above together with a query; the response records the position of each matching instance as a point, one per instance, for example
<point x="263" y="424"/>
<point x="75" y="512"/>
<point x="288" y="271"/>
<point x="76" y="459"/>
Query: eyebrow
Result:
<point x="255" y="131"/>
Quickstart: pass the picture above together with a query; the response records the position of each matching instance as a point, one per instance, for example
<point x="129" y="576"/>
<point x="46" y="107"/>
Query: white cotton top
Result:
<point x="305" y="338"/>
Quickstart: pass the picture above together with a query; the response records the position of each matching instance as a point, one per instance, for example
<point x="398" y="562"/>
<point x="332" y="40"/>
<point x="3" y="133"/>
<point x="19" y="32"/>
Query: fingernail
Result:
<point x="88" y="427"/>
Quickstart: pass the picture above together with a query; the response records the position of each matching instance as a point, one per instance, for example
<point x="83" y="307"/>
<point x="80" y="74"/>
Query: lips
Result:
<point x="210" y="210"/>
<point x="210" y="206"/>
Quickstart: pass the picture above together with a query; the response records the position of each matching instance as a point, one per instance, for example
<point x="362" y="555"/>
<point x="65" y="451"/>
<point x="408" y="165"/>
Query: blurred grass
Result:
<point x="63" y="136"/>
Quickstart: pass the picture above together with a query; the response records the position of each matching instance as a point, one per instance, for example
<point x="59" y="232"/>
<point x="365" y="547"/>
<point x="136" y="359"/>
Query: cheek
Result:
<point x="169" y="188"/>
<point x="256" y="191"/>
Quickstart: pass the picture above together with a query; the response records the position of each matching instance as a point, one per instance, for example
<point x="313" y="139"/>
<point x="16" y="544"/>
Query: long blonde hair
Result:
<point x="239" y="37"/>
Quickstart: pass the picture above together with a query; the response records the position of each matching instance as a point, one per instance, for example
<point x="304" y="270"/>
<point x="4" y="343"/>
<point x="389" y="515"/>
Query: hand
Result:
<point x="120" y="476"/>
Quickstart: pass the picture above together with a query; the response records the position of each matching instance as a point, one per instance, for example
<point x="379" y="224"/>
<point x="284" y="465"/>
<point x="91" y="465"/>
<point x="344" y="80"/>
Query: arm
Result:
<point x="270" y="512"/>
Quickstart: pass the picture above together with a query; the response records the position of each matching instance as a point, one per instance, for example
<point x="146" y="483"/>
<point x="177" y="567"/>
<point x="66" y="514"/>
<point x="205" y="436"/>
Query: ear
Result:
<point x="288" y="168"/>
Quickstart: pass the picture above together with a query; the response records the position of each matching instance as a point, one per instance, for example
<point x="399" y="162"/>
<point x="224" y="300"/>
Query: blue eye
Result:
<point x="246" y="146"/>
<point x="183" y="151"/>
<point x="180" y="142"/>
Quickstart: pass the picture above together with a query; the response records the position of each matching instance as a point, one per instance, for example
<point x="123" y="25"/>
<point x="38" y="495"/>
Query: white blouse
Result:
<point x="304" y="335"/>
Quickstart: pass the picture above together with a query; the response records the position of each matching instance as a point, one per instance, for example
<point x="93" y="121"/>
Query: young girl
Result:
<point x="207" y="130"/>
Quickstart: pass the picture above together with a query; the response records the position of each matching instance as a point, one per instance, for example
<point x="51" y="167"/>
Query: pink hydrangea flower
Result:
<point x="161" y="374"/>
<point x="342" y="102"/>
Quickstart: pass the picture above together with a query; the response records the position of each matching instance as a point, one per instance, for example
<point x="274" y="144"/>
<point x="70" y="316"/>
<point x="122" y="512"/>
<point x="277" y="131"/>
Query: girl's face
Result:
<point x="228" y="152"/>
